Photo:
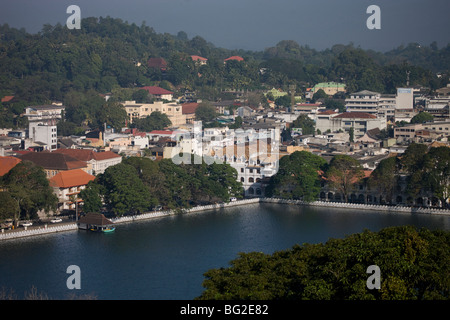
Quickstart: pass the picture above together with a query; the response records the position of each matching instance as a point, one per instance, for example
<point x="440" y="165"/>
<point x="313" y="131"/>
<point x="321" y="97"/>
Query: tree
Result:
<point x="205" y="112"/>
<point x="422" y="117"/>
<point x="436" y="173"/>
<point x="283" y="101"/>
<point x="124" y="192"/>
<point x="92" y="197"/>
<point x="411" y="163"/>
<point x="384" y="177"/>
<point x="320" y="94"/>
<point x="9" y="207"/>
<point x="155" y="121"/>
<point x="297" y="177"/>
<point x="343" y="173"/>
<point x="304" y="122"/>
<point x="351" y="133"/>
<point x="415" y="265"/>
<point x="28" y="185"/>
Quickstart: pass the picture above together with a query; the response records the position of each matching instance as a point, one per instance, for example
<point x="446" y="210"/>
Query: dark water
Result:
<point x="165" y="258"/>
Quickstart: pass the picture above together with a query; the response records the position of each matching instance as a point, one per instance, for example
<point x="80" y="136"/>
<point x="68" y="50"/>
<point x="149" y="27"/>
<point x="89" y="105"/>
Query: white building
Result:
<point x="361" y="122"/>
<point x="363" y="101"/>
<point x="405" y="99"/>
<point x="46" y="135"/>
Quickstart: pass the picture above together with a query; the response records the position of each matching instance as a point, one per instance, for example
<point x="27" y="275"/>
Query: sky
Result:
<point x="257" y="24"/>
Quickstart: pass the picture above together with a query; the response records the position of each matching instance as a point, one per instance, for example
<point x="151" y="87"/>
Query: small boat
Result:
<point x="110" y="229"/>
<point x="103" y="229"/>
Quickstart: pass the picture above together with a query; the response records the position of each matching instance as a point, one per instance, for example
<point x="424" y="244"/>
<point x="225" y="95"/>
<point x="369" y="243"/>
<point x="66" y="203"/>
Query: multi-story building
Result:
<point x="98" y="161"/>
<point x="439" y="107"/>
<point x="330" y="88"/>
<point x="47" y="135"/>
<point x="67" y="186"/>
<point x="42" y="122"/>
<point x="363" y="101"/>
<point x="173" y="111"/>
<point x="361" y="122"/>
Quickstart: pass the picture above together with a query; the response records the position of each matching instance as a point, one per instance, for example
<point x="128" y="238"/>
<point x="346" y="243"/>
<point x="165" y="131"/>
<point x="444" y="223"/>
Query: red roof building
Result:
<point x="188" y="109"/>
<point x="53" y="162"/>
<point x="157" y="63"/>
<point x="7" y="98"/>
<point x="199" y="60"/>
<point x="67" y="186"/>
<point x="99" y="160"/>
<point x="236" y="58"/>
<point x="158" y="92"/>
<point x="354" y="115"/>
<point x="7" y="163"/>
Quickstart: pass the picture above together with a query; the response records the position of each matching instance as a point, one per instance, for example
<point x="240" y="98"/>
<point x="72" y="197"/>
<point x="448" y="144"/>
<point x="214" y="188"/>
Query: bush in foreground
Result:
<point x="414" y="264"/>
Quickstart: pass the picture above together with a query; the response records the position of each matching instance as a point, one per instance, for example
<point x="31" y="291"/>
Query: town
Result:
<point x="249" y="129"/>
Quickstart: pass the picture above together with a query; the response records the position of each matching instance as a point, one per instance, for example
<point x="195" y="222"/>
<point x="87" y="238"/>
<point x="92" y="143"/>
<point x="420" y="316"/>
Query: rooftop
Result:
<point x="237" y="58"/>
<point x="156" y="90"/>
<point x="7" y="163"/>
<point x="71" y="178"/>
<point x="188" y="108"/>
<point x="355" y="115"/>
<point x="87" y="155"/>
<point x="54" y="160"/>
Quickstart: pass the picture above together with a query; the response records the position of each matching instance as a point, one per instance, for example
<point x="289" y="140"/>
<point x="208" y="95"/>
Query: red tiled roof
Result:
<point x="235" y="58"/>
<point x="198" y="58"/>
<point x="353" y="115"/>
<point x="189" y="108"/>
<point x="157" y="63"/>
<point x="165" y="132"/>
<point x="54" y="161"/>
<point x="7" y="98"/>
<point x="87" y="155"/>
<point x="327" y="112"/>
<point x="7" y="163"/>
<point x="71" y="178"/>
<point x="156" y="90"/>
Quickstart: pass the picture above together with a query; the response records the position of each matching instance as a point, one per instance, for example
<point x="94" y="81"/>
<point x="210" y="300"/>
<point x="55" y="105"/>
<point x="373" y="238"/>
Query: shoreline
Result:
<point x="16" y="234"/>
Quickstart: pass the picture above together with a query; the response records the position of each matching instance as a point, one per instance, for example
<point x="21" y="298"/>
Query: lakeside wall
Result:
<point x="383" y="208"/>
<point x="360" y="206"/>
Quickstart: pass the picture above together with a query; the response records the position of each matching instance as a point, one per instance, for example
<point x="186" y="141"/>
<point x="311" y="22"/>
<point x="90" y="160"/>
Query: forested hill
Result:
<point x="108" y="53"/>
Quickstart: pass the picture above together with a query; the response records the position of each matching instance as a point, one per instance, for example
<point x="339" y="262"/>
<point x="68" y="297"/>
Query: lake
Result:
<point x="165" y="258"/>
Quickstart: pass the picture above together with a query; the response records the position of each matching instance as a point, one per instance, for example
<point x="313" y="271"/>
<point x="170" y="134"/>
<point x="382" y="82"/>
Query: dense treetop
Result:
<point x="105" y="54"/>
<point x="414" y="265"/>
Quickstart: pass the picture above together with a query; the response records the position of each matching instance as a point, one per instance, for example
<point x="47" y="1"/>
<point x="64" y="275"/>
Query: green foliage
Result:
<point x="155" y="121"/>
<point x="422" y="117"/>
<point x="297" y="177"/>
<point x="92" y="197"/>
<point x="343" y="173"/>
<point x="283" y="101"/>
<point x="384" y="177"/>
<point x="320" y="94"/>
<point x="205" y="112"/>
<point x="304" y="122"/>
<point x="9" y="207"/>
<point x="138" y="184"/>
<point x="28" y="185"/>
<point x="124" y="192"/>
<point x="414" y="265"/>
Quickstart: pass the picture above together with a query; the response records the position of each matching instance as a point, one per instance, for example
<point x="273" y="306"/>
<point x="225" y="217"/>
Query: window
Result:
<point x="242" y="169"/>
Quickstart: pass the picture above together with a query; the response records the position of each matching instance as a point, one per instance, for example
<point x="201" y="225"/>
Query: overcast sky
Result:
<point x="257" y="24"/>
